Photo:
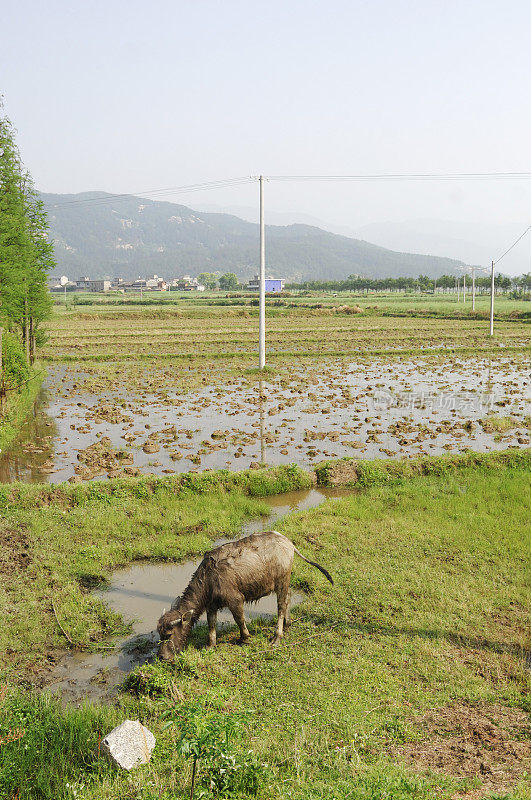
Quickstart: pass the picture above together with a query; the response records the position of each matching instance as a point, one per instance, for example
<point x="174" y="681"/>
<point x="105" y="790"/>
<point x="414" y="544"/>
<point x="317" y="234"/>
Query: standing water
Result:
<point x="141" y="592"/>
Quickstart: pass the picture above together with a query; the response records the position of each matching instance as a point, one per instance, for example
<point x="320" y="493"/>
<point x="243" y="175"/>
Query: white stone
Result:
<point x="129" y="745"/>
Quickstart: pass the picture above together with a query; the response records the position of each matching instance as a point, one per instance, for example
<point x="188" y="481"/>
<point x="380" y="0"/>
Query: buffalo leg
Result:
<point x="282" y="604"/>
<point x="212" y="618"/>
<point x="236" y="610"/>
<point x="287" y="614"/>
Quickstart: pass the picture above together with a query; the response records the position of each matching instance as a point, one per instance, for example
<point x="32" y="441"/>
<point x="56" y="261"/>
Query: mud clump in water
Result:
<point x="488" y="741"/>
<point x="106" y="412"/>
<point x="305" y="414"/>
<point x="101" y="458"/>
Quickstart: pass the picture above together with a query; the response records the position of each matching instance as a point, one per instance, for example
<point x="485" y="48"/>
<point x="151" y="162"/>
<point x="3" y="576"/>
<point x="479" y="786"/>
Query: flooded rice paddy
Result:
<point x="385" y="409"/>
<point x="139" y="594"/>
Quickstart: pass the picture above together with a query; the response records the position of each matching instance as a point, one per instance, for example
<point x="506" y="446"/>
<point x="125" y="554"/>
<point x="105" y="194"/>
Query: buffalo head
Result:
<point x="174" y="628"/>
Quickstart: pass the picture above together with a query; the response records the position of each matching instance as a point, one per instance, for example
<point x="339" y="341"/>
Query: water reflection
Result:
<point x="31" y="455"/>
<point x="262" y="413"/>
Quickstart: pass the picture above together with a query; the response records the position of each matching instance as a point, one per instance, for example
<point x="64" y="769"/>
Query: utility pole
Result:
<point x="473" y="288"/>
<point x="492" y="299"/>
<point x="261" y="310"/>
<point x="464" y="287"/>
<point x="457" y="284"/>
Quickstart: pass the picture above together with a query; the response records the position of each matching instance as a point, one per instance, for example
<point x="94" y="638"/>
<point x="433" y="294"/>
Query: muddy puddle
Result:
<point x="368" y="411"/>
<point x="141" y="592"/>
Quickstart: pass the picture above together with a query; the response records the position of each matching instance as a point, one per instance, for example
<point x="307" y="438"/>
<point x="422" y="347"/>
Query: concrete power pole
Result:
<point x="473" y="288"/>
<point x="464" y="287"/>
<point x="492" y="299"/>
<point x="261" y="311"/>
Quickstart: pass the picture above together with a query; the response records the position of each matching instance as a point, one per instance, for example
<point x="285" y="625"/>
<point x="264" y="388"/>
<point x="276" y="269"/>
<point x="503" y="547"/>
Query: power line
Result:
<point x="513" y="244"/>
<point x="454" y="176"/>
<point x="195" y="187"/>
<point x="239" y="181"/>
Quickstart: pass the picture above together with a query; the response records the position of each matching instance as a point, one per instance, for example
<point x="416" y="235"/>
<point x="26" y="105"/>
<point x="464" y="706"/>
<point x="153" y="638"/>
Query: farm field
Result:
<point x="163" y="390"/>
<point x="265" y="545"/>
<point x="92" y="427"/>
<point x="196" y="330"/>
<point x="374" y="301"/>
<point x="406" y="679"/>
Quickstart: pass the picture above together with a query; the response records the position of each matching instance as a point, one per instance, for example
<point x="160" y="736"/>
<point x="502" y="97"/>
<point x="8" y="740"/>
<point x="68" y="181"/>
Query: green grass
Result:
<point x="18" y="406"/>
<point x="503" y="424"/>
<point x="429" y="607"/>
<point x="149" y="488"/>
<point x="69" y="537"/>
<point x="363" y="473"/>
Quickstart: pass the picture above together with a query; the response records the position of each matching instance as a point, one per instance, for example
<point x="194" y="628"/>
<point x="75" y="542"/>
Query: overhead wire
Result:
<point x="513" y="244"/>
<point x="239" y="181"/>
<point x="195" y="187"/>
<point x="433" y="176"/>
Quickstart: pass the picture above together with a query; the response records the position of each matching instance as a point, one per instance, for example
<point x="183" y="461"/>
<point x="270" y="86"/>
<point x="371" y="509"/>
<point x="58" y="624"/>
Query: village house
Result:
<point x="272" y="285"/>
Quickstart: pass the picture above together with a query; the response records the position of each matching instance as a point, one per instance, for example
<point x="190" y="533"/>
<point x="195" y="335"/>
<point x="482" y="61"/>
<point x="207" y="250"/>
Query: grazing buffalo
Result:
<point x="227" y="577"/>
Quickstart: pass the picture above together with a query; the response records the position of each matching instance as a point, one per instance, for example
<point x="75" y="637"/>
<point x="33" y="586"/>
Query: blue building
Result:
<point x="272" y="285"/>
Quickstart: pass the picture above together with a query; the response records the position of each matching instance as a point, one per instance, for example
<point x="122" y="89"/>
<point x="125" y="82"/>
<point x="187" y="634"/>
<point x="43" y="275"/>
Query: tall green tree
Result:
<point x="15" y="243"/>
<point x="38" y="299"/>
<point x="228" y="282"/>
<point x="208" y="279"/>
<point x="26" y="255"/>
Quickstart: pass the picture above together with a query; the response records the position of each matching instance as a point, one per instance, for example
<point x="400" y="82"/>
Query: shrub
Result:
<point x="207" y="738"/>
<point x="14" y="363"/>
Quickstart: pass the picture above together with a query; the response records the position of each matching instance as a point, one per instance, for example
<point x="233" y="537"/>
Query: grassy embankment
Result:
<point x="18" y="406"/>
<point x="428" y="611"/>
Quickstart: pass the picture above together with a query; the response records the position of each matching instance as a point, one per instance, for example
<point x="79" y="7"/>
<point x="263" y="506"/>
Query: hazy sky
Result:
<point x="125" y="96"/>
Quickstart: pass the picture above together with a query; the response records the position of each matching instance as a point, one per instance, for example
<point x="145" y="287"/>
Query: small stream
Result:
<point x="140" y="593"/>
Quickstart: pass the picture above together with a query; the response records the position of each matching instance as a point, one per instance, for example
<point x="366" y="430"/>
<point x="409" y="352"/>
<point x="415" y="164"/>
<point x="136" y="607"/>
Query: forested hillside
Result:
<point x="98" y="234"/>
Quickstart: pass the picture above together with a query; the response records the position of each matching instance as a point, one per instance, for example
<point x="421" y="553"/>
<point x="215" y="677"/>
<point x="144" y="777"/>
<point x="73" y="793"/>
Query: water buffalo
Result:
<point x="229" y="576"/>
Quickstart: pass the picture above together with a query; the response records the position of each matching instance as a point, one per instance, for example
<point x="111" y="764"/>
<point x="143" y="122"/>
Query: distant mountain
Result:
<point x="474" y="243"/>
<point x="99" y="234"/>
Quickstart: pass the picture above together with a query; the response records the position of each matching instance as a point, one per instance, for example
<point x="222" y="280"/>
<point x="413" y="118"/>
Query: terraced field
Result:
<point x="233" y="332"/>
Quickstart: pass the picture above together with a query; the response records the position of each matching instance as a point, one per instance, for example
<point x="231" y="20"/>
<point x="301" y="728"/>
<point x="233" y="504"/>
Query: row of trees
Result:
<point x="213" y="280"/>
<point x="26" y="255"/>
<point x="445" y="283"/>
